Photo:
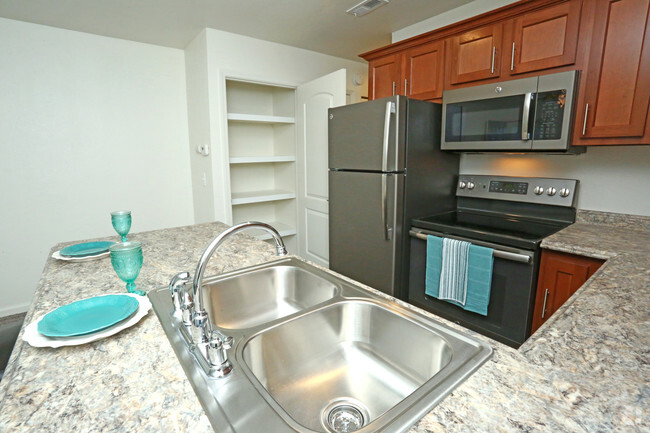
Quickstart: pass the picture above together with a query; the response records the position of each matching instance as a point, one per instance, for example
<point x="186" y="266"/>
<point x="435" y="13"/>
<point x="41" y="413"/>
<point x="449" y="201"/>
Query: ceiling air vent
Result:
<point x="365" y="7"/>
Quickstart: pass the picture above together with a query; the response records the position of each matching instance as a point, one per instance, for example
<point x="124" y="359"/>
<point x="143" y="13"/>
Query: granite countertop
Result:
<point x="585" y="370"/>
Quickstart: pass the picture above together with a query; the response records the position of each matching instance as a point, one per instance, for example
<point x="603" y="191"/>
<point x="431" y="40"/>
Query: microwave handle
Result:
<point x="525" y="134"/>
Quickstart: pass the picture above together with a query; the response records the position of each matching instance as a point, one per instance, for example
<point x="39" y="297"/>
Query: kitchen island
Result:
<point x="587" y="369"/>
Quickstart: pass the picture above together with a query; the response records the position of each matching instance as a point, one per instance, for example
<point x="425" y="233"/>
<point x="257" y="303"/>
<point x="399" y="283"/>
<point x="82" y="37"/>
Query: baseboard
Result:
<point x="14" y="309"/>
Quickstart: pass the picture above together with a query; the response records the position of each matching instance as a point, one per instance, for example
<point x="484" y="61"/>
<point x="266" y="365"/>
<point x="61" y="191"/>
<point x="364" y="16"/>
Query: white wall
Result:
<point x="88" y="124"/>
<point x="460" y="13"/>
<point x="231" y="55"/>
<point x="613" y="178"/>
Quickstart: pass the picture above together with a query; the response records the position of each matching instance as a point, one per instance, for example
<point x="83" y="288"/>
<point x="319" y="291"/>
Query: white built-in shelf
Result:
<point x="261" y="196"/>
<point x="260" y="118"/>
<point x="282" y="228"/>
<point x="261" y="159"/>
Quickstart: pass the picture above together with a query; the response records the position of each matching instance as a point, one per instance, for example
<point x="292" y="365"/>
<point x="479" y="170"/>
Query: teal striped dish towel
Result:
<point x="479" y="275"/>
<point x="453" y="276"/>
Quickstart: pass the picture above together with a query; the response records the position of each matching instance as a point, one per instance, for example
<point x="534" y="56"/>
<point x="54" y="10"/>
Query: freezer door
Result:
<point x="365" y="226"/>
<point x="368" y="136"/>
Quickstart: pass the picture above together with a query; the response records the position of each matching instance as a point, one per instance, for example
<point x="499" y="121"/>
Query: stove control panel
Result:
<point x="548" y="191"/>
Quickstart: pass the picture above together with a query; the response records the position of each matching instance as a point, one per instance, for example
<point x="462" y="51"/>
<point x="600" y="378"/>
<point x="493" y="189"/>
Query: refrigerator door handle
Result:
<point x="384" y="206"/>
<point x="390" y="108"/>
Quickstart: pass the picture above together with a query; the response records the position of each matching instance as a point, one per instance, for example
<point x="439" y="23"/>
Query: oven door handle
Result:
<point x="498" y="251"/>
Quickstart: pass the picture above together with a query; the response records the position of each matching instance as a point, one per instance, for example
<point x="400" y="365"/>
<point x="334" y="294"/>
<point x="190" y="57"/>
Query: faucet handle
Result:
<point x="176" y="285"/>
<point x="218" y="355"/>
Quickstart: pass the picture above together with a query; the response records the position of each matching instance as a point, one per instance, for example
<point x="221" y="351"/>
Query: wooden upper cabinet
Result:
<point x="608" y="41"/>
<point x="384" y="74"/>
<point x="560" y="276"/>
<point x="424" y="70"/>
<point x="475" y="55"/>
<point x="613" y="104"/>
<point x="544" y="39"/>
<point x="416" y="72"/>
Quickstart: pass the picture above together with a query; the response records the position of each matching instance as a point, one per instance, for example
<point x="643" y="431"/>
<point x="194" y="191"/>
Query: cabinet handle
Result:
<point x="544" y="307"/>
<point x="405" y="83"/>
<point x="584" y="124"/>
<point x="494" y="50"/>
<point x="512" y="58"/>
<point x="393" y="88"/>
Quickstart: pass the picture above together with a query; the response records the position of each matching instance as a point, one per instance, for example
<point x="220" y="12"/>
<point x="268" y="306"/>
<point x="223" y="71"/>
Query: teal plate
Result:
<point x="85" y="249"/>
<point x="87" y="316"/>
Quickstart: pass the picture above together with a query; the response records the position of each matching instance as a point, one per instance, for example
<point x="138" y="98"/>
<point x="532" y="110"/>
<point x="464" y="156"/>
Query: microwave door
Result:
<point x="490" y="124"/>
<point x="489" y="117"/>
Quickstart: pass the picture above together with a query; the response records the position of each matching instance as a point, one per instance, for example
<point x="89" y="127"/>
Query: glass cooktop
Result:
<point x="503" y="229"/>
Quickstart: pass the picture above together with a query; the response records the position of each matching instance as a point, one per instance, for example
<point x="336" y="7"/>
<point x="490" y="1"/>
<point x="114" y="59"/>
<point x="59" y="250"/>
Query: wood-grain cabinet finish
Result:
<point x="613" y="102"/>
<point x="424" y="71"/>
<point x="475" y="55"/>
<point x="544" y="39"/>
<point x="384" y="73"/>
<point x="534" y="41"/>
<point x="560" y="276"/>
<point x="416" y="73"/>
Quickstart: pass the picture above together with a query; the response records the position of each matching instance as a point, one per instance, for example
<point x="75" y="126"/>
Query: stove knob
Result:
<point x="551" y="191"/>
<point x="538" y="190"/>
<point x="462" y="185"/>
<point x="564" y="192"/>
<point x="470" y="185"/>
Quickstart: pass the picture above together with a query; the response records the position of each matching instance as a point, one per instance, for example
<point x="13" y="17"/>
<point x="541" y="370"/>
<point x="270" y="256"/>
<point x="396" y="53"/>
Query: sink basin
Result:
<point x="243" y="300"/>
<point x="313" y="352"/>
<point x="356" y="353"/>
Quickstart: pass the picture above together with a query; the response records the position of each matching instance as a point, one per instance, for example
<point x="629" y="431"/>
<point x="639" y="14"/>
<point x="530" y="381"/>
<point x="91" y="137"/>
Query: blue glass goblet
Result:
<point x="126" y="258"/>
<point x="121" y="220"/>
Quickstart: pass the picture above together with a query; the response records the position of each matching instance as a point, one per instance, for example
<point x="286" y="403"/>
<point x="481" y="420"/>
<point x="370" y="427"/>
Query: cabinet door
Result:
<point x="383" y="77"/>
<point x="560" y="276"/>
<point x="424" y="71"/>
<point x="545" y="39"/>
<point x="617" y="88"/>
<point x="475" y="55"/>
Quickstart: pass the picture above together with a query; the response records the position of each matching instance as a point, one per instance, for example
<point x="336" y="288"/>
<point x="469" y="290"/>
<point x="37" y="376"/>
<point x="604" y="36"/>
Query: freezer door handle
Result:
<point x="384" y="207"/>
<point x="390" y="108"/>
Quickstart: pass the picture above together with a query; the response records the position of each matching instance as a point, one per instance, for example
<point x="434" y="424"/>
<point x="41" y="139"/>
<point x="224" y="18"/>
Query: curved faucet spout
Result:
<point x="203" y="261"/>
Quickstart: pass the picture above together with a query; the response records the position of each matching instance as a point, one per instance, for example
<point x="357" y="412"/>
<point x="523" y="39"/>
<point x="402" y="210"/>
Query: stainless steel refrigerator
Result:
<point x="385" y="168"/>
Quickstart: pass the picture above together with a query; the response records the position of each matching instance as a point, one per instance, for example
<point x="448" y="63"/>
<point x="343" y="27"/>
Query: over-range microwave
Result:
<point x="528" y="114"/>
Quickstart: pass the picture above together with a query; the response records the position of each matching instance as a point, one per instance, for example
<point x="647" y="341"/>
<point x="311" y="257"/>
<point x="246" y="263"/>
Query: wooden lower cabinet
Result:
<point x="560" y="276"/>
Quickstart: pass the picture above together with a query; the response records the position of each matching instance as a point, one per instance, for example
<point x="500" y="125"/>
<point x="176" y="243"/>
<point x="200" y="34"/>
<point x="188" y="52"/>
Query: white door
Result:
<point x="312" y="101"/>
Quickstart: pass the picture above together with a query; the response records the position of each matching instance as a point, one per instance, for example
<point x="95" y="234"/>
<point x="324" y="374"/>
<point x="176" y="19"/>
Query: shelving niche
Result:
<point x="262" y="155"/>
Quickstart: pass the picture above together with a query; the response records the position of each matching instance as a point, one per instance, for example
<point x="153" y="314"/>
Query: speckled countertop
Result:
<point x="586" y="370"/>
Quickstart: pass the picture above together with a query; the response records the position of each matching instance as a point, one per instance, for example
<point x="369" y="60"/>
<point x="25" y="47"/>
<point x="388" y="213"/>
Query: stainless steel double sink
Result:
<point x="315" y="353"/>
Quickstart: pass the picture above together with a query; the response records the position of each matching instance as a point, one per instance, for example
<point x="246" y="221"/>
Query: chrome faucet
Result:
<point x="211" y="343"/>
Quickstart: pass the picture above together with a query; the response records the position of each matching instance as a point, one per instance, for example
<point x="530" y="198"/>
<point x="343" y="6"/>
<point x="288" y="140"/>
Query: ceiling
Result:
<point x="318" y="25"/>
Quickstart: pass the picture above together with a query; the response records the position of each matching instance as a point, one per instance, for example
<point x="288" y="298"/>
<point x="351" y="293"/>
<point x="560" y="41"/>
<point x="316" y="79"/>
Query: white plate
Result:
<point x="36" y="339"/>
<point x="58" y="256"/>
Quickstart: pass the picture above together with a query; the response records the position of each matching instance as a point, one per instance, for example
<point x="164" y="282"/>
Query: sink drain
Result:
<point x="345" y="415"/>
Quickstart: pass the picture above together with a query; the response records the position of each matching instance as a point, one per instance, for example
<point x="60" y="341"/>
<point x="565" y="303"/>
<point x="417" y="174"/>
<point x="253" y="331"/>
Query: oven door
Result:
<point x="512" y="294"/>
